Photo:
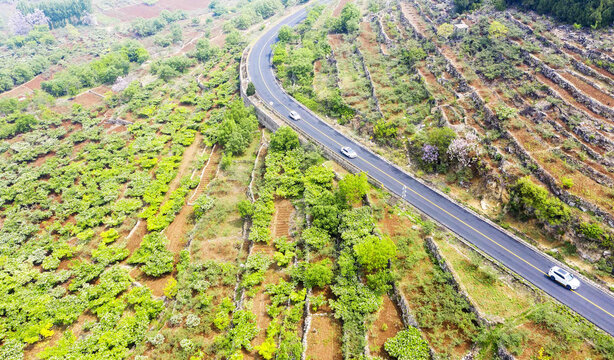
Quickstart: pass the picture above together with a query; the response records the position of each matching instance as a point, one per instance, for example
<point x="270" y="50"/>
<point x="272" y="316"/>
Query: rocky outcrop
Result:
<point x="504" y="354"/>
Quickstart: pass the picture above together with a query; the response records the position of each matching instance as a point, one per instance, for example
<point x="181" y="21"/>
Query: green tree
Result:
<point x="348" y="19"/>
<point x="318" y="274"/>
<point x="445" y="30"/>
<point x="300" y="65"/>
<point x="353" y="187"/>
<point x="251" y="89"/>
<point x="204" y="51"/>
<point x="284" y="139"/>
<point x="245" y="208"/>
<point x="440" y="137"/>
<point x="286" y="34"/>
<point x="497" y="29"/>
<point x="373" y="253"/>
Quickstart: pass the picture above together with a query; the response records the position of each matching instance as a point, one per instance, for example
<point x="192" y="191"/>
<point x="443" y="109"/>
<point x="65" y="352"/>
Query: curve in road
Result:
<point x="588" y="300"/>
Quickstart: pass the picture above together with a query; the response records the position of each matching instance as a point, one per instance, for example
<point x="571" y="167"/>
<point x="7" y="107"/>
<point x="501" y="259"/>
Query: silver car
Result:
<point x="564" y="278"/>
<point x="294" y="116"/>
<point x="347" y="151"/>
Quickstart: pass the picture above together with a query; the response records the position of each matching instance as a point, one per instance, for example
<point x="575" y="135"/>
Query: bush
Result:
<point x="374" y="253"/>
<point x="251" y="89"/>
<point x="529" y="199"/>
<point x="155" y="258"/>
<point x="567" y="182"/>
<point x="245" y="208"/>
<point x="315" y="237"/>
<point x="408" y="345"/>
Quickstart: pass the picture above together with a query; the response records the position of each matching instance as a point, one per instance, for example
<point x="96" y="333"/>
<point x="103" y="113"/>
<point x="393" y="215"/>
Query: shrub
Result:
<point x="155" y="258"/>
<point x="566" y="182"/>
<point x="251" y="89"/>
<point x="354" y="187"/>
<point x="170" y="290"/>
<point x="315" y="237"/>
<point x="245" y="208"/>
<point x="408" y="345"/>
<point x="317" y="274"/>
<point x="529" y="199"/>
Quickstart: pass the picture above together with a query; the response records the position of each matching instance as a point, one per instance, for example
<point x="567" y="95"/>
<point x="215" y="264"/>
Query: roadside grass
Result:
<point x="493" y="293"/>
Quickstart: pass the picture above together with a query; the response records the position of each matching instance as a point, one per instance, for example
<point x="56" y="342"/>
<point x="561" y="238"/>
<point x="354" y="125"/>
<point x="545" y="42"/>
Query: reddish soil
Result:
<point x="156" y="285"/>
<point x="35" y="83"/>
<point x="388" y="323"/>
<point x="602" y="71"/>
<point x="412" y="15"/>
<point x="282" y="218"/>
<point x="137" y="233"/>
<point x="31" y="351"/>
<point x="18" y="92"/>
<point x="220" y="249"/>
<point x="324" y="339"/>
<point x="176" y="231"/>
<point x="88" y="99"/>
<point x="328" y="294"/>
<point x="263" y="248"/>
<point x="129" y="13"/>
<point x="41" y="159"/>
<point x="588" y="89"/>
<point x="567" y="96"/>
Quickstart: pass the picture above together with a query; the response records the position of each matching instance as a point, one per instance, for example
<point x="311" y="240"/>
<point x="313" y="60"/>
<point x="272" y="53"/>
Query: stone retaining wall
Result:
<point x="455" y="282"/>
<point x="599" y="108"/>
<point x="361" y="57"/>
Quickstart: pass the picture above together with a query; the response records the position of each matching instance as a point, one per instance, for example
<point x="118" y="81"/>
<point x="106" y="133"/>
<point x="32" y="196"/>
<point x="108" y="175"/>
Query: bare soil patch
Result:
<point x="207" y="174"/>
<point x="282" y="218"/>
<point x="567" y="96"/>
<point x="324" y="339"/>
<point x="388" y="323"/>
<point x="88" y="99"/>
<point x="35" y="83"/>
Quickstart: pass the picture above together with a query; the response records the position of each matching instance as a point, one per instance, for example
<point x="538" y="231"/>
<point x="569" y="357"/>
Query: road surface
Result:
<point x="589" y="301"/>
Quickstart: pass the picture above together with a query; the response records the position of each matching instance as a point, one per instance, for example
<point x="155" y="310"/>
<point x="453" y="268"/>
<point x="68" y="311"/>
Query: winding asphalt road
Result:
<point x="589" y="301"/>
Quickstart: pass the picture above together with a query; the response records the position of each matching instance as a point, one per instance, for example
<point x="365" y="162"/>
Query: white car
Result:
<point x="294" y="116"/>
<point x="347" y="151"/>
<point x="564" y="278"/>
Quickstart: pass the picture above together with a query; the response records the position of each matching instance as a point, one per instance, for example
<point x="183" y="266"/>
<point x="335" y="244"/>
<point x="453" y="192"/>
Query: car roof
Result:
<point x="562" y="271"/>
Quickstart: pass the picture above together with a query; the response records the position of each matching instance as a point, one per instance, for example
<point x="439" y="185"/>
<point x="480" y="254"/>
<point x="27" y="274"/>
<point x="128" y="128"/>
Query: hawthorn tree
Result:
<point x="284" y="139"/>
<point x="353" y="187"/>
<point x="373" y="253"/>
